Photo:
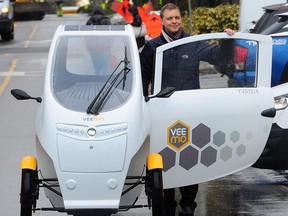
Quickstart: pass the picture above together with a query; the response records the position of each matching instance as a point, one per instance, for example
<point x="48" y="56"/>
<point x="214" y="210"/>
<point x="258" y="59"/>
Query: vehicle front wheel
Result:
<point x="154" y="184"/>
<point x="8" y="35"/>
<point x="157" y="192"/>
<point x="29" y="191"/>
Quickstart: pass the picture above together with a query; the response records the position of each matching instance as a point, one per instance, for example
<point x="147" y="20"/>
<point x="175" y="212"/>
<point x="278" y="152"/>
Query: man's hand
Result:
<point x="229" y="31"/>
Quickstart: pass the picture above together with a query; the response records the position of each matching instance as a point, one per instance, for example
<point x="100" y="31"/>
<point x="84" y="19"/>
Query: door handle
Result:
<point x="270" y="113"/>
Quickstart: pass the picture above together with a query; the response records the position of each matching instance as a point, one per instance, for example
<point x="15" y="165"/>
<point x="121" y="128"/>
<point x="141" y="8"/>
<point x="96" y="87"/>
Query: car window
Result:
<point x="210" y="64"/>
<point x="267" y="19"/>
<point x="275" y="27"/>
<point x="83" y="65"/>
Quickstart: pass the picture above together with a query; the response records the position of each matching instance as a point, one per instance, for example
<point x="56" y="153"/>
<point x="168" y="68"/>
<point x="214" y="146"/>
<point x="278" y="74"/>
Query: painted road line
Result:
<point x="4" y="74"/>
<point x="22" y="73"/>
<point x="26" y="44"/>
<point x="8" y="77"/>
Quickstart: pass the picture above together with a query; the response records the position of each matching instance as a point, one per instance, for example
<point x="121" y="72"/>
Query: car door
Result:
<point x="218" y="128"/>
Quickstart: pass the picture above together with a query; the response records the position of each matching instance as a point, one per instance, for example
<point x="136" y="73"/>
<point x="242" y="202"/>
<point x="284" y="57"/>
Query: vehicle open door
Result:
<point x="217" y="129"/>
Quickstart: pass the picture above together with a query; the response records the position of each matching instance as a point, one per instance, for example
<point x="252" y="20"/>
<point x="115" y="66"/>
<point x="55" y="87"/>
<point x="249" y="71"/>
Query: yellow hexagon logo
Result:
<point x="178" y="135"/>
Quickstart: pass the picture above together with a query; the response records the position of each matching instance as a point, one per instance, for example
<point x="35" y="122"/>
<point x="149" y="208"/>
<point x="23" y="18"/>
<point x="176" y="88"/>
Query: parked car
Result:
<point x="251" y="11"/>
<point x="274" y="155"/>
<point x="269" y="18"/>
<point x="274" y="22"/>
<point x="6" y="20"/>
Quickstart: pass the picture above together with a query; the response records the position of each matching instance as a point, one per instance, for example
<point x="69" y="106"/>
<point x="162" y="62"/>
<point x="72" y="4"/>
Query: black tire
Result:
<point x="154" y="190"/>
<point x="9" y="34"/>
<point x="29" y="192"/>
<point x="39" y="15"/>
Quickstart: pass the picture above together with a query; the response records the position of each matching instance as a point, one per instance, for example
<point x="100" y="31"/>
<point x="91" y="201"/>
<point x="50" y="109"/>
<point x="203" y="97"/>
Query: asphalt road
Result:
<point x="22" y="65"/>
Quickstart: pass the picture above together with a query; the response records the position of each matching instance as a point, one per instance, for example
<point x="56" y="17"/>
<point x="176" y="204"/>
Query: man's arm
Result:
<point x="147" y="64"/>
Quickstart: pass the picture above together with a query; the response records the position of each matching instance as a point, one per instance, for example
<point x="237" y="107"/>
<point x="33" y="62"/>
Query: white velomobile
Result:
<point x="98" y="140"/>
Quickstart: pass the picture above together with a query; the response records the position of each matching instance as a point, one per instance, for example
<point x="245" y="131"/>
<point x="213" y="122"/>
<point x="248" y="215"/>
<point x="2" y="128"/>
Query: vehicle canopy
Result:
<point x="83" y="66"/>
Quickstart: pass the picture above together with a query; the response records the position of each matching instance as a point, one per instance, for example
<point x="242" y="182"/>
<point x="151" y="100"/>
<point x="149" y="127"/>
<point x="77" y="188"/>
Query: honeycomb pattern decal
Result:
<point x="188" y="147"/>
<point x="208" y="156"/>
<point x="169" y="158"/>
<point x="203" y="135"/>
<point x="188" y="158"/>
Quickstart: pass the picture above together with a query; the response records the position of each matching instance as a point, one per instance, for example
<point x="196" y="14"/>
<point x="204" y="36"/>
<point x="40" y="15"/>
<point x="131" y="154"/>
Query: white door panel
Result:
<point x="207" y="133"/>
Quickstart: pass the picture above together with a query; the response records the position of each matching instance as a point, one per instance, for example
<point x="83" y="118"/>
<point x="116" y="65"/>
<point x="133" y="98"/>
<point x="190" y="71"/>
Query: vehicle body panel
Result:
<point x="197" y="114"/>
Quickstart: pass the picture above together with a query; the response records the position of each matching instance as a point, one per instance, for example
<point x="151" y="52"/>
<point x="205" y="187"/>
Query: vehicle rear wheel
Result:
<point x="29" y="192"/>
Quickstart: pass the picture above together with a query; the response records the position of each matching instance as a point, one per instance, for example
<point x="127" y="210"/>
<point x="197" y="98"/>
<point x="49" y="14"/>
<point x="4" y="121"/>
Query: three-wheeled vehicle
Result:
<point x="99" y="140"/>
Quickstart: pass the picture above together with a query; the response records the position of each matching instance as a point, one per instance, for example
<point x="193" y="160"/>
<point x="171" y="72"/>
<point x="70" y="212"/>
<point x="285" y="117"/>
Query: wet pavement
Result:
<point x="249" y="192"/>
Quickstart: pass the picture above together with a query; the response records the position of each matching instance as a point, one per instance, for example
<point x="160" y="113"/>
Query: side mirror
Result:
<point x="164" y="93"/>
<point x="22" y="95"/>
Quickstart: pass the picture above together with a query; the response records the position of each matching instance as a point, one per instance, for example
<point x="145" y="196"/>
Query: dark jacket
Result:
<point x="180" y="66"/>
<point x="98" y="17"/>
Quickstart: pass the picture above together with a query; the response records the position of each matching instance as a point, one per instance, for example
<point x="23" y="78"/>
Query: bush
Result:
<point x="211" y="20"/>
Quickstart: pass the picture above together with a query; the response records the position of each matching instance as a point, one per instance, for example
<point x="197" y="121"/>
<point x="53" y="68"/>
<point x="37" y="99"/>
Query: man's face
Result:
<point x="172" y="21"/>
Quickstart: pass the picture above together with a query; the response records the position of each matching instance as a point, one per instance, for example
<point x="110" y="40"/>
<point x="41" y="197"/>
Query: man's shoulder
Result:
<point x="99" y="20"/>
<point x="155" y="42"/>
<point x="185" y="34"/>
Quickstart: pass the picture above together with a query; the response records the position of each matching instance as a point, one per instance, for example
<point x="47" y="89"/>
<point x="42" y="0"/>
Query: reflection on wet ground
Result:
<point x="249" y="192"/>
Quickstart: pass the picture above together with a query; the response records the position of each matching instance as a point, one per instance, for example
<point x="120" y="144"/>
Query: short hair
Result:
<point x="168" y="6"/>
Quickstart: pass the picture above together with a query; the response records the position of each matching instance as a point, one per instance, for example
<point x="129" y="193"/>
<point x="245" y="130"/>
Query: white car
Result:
<point x="98" y="139"/>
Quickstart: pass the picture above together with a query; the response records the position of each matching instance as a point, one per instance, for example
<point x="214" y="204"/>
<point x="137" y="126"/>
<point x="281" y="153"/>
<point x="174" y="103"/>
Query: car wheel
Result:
<point x="8" y="35"/>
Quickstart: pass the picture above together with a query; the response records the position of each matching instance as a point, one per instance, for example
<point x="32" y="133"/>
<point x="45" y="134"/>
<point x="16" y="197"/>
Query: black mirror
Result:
<point x="22" y="95"/>
<point x="164" y="93"/>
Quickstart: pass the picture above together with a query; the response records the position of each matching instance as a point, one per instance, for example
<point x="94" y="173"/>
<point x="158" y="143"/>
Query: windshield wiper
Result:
<point x="105" y="91"/>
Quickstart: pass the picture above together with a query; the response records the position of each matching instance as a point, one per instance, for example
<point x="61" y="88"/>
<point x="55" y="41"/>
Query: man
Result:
<point x="98" y="17"/>
<point x="182" y="80"/>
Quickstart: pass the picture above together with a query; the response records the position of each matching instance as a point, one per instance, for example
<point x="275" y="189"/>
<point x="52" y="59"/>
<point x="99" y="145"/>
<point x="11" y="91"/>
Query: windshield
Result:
<point x="82" y="66"/>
